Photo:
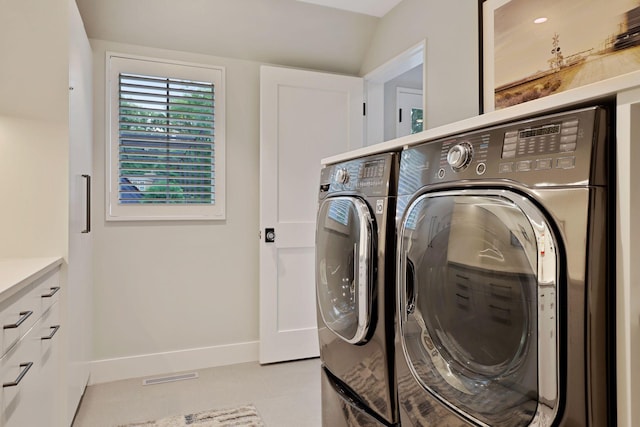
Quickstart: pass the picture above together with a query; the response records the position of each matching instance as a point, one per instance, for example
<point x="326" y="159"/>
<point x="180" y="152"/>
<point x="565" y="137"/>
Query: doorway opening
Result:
<point x="395" y="97"/>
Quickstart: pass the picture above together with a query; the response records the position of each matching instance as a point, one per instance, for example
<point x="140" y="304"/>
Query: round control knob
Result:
<point x="342" y="176"/>
<point x="459" y="156"/>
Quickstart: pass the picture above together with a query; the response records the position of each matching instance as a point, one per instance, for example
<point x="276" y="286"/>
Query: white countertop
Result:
<point x="16" y="273"/>
<point x="574" y="97"/>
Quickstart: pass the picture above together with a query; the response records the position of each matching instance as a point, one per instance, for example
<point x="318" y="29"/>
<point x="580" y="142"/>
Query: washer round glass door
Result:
<point x="476" y="268"/>
<point x="344" y="262"/>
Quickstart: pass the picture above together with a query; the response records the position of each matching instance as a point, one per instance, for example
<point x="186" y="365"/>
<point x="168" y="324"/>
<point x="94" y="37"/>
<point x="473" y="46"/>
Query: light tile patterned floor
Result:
<point x="285" y="394"/>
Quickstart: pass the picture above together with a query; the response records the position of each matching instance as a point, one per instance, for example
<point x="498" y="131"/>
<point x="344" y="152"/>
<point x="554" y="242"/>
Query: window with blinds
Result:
<point x="165" y="140"/>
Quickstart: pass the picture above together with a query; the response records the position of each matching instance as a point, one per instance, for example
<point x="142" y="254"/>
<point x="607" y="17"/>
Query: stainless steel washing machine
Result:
<point x="355" y="284"/>
<point x="505" y="296"/>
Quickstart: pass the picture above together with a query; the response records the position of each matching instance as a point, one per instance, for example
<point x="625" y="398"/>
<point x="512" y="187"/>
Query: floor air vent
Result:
<point x="170" y="378"/>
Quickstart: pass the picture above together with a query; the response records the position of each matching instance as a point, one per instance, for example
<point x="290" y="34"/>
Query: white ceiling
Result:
<point x="284" y="32"/>
<point x="377" y="8"/>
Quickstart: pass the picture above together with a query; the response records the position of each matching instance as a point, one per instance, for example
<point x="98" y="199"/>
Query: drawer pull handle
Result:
<point x="23" y="316"/>
<point x="25" y="368"/>
<point x="52" y="293"/>
<point x="55" y="329"/>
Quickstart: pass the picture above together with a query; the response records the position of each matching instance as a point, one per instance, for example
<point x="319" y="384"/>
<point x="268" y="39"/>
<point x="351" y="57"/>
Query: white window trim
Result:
<point x="134" y="212"/>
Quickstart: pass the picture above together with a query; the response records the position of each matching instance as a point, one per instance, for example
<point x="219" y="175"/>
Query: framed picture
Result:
<point x="532" y="49"/>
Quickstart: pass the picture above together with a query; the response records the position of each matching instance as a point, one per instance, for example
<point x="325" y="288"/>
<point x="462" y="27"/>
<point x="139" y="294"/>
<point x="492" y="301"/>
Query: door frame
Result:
<point x="374" y="88"/>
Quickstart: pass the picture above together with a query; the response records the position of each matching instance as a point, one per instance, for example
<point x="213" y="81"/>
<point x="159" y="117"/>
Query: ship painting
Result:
<point x="549" y="46"/>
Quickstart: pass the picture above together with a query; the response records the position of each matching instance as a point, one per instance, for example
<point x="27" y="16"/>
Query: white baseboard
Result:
<point x="107" y="370"/>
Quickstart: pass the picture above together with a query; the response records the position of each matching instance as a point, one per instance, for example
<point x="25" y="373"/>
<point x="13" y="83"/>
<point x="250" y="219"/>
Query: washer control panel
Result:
<point x="552" y="144"/>
<point x="545" y="139"/>
<point x="557" y="149"/>
<point x="368" y="175"/>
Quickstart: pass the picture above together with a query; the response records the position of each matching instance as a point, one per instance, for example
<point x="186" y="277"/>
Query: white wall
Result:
<point x="174" y="295"/>
<point x="452" y="65"/>
<point x="33" y="170"/>
<point x="34" y="39"/>
<point x="33" y="127"/>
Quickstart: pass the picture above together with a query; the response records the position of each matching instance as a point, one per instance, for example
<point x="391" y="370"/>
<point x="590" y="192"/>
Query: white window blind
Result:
<point x="165" y="141"/>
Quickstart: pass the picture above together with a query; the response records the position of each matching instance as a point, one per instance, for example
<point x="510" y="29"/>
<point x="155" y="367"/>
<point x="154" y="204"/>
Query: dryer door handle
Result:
<point x="410" y="289"/>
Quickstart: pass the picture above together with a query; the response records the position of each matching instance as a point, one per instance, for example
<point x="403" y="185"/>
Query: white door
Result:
<point x="409" y="110"/>
<point x="79" y="279"/>
<point x="304" y="117"/>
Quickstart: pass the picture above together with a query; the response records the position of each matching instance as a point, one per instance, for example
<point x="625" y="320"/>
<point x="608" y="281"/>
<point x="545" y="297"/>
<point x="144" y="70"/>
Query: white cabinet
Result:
<point x="78" y="301"/>
<point x="45" y="158"/>
<point x="30" y="359"/>
<point x="627" y="256"/>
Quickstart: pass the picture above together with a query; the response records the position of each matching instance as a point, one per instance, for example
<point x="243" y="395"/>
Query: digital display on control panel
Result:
<point x="372" y="169"/>
<point x="543" y="130"/>
<point x="544" y="140"/>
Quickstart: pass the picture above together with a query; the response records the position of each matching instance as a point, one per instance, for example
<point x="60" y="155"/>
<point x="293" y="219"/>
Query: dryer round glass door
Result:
<point x="344" y="263"/>
<point x="475" y="269"/>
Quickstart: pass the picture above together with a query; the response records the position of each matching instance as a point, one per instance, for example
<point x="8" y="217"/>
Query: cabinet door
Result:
<point x="79" y="299"/>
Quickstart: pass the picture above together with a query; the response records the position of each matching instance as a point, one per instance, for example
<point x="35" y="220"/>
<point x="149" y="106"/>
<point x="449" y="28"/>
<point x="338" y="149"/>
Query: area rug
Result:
<point x="246" y="415"/>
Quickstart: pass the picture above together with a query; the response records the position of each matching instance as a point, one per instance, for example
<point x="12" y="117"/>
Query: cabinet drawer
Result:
<point x="48" y="326"/>
<point x="20" y="312"/>
<point x="28" y="375"/>
<point x="48" y="290"/>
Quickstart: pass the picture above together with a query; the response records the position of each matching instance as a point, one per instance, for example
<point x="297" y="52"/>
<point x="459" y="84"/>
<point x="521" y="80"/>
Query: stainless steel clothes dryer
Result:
<point x="504" y="296"/>
<point x="355" y="287"/>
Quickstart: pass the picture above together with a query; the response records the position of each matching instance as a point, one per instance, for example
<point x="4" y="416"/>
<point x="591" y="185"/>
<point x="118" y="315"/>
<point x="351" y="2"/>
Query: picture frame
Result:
<point x="531" y="50"/>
